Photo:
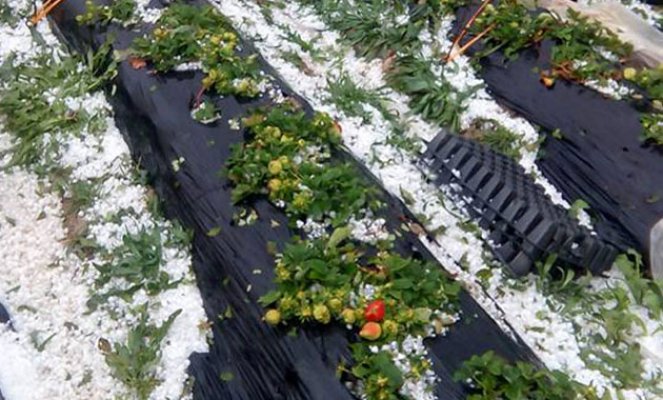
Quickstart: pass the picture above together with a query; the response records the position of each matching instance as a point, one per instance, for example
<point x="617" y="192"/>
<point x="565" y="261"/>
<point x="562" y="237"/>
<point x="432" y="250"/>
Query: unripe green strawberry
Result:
<point x="629" y="73"/>
<point x="335" y="305"/>
<point x="274" y="185"/>
<point x="390" y="327"/>
<point x="321" y="313"/>
<point x="348" y="315"/>
<point x="273" y="317"/>
<point x="275" y="167"/>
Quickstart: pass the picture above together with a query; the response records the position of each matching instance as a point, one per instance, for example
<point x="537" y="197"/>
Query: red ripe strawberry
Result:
<point x="374" y="311"/>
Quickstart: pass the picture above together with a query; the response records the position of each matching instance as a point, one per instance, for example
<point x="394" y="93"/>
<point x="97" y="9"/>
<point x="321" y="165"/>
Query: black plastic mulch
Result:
<point x="255" y="360"/>
<point x="4" y="315"/>
<point x="4" y="319"/>
<point x="600" y="159"/>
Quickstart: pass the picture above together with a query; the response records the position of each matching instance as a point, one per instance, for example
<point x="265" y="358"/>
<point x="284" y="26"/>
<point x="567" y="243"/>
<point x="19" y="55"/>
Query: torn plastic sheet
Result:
<point x="255" y="360"/>
<point x="600" y="157"/>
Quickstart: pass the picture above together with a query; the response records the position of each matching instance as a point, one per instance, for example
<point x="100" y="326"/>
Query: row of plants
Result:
<point x="575" y="54"/>
<point x="386" y="300"/>
<point x="185" y="34"/>
<point x="583" y="51"/>
<point x="317" y="279"/>
<point x="364" y="26"/>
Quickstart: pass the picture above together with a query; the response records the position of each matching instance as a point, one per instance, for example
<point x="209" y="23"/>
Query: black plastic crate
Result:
<point x="524" y="224"/>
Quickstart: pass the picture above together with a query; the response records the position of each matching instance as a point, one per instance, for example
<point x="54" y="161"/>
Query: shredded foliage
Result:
<point x="137" y="262"/>
<point x="34" y="98"/>
<point x="365" y="27"/>
<point x="134" y="362"/>
<point x="496" y="136"/>
<point x="350" y="98"/>
<point x="430" y="96"/>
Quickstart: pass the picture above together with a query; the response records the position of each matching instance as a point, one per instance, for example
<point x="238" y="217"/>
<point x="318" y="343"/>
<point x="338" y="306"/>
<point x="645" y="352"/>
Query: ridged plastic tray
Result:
<point x="525" y="225"/>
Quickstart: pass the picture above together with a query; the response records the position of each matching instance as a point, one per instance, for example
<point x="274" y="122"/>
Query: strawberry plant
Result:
<point x="575" y="54"/>
<point x="289" y="160"/>
<point x="583" y="50"/>
<point x="651" y="80"/>
<point x="121" y="10"/>
<point x="652" y="125"/>
<point x="407" y="294"/>
<point x="205" y="113"/>
<point x="492" y="377"/>
<point x="185" y="34"/>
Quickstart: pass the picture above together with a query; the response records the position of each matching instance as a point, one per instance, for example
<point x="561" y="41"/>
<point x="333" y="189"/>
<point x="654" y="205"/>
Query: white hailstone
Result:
<point x="234" y="124"/>
<point x="367" y="291"/>
<point x="313" y="229"/>
<point x="369" y="230"/>
<point x="402" y="19"/>
<point x="177" y="163"/>
<point x="188" y="66"/>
